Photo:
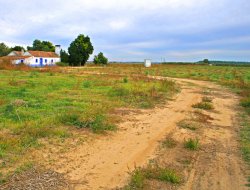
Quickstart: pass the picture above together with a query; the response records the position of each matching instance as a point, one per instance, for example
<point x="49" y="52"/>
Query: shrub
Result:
<point x="100" y="59"/>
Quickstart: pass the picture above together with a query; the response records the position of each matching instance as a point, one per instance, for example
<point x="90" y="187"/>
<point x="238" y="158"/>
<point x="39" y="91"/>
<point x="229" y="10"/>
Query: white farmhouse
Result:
<point x="35" y="58"/>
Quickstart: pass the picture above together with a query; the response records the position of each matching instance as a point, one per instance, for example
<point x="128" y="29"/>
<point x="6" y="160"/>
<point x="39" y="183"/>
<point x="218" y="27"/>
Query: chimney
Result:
<point x="22" y="52"/>
<point x="58" y="50"/>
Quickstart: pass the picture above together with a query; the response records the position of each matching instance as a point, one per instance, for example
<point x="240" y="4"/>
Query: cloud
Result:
<point x="118" y="25"/>
<point x="132" y="29"/>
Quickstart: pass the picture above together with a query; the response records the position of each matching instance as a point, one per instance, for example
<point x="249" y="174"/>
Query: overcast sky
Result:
<point x="132" y="30"/>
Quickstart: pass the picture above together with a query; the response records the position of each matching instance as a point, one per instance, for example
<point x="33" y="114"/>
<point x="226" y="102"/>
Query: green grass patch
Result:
<point x="140" y="177"/>
<point x="96" y="124"/>
<point x="245" y="139"/>
<point x="192" y="144"/>
<point x="36" y="106"/>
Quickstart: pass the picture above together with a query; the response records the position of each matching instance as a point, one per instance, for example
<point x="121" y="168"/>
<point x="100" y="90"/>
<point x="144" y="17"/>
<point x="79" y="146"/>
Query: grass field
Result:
<point x="40" y="105"/>
<point x="235" y="77"/>
<point x="44" y="104"/>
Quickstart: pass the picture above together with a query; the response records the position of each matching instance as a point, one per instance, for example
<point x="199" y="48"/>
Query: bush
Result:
<point x="62" y="64"/>
<point x="100" y="59"/>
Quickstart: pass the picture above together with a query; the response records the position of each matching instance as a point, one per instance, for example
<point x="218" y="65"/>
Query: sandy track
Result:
<point x="104" y="163"/>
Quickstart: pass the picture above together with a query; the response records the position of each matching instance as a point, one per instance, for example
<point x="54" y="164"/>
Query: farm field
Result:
<point x="126" y="127"/>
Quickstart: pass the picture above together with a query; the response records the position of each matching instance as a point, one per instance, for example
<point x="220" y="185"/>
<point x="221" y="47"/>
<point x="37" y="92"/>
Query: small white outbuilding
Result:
<point x="147" y="63"/>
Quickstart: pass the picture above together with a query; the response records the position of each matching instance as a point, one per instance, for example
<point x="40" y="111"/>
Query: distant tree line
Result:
<point x="78" y="53"/>
<point x="214" y="62"/>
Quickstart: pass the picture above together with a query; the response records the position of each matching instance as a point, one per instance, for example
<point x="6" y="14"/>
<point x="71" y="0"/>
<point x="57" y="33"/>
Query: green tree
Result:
<point x="17" y="48"/>
<point x="64" y="56"/>
<point x="80" y="50"/>
<point x="4" y="49"/>
<point x="100" y="59"/>
<point x="42" y="46"/>
<point x="206" y="61"/>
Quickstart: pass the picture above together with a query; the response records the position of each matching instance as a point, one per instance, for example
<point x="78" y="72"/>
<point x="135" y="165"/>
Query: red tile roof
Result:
<point x="18" y="53"/>
<point x="43" y="54"/>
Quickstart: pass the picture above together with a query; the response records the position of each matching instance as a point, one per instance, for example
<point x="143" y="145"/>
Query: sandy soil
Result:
<point x="104" y="163"/>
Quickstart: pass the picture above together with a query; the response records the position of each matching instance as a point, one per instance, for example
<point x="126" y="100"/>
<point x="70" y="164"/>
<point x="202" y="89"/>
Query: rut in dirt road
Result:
<point x="105" y="162"/>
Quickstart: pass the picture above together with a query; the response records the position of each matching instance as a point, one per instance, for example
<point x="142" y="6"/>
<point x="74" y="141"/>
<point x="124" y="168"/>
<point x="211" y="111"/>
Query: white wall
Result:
<point x="32" y="61"/>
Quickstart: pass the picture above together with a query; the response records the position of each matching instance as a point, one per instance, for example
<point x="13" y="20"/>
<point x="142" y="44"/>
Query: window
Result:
<point x="51" y="60"/>
<point x="45" y="60"/>
<point x="36" y="60"/>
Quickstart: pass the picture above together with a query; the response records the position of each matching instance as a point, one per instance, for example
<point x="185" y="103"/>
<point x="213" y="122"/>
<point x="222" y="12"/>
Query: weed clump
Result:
<point x="189" y="125"/>
<point x="125" y="80"/>
<point x="152" y="172"/>
<point x="203" y="105"/>
<point x="169" y="143"/>
<point x="192" y="144"/>
<point x="207" y="99"/>
<point x="86" y="84"/>
<point x="97" y="124"/>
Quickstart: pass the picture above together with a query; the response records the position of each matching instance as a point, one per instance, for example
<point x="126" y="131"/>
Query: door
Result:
<point x="41" y="62"/>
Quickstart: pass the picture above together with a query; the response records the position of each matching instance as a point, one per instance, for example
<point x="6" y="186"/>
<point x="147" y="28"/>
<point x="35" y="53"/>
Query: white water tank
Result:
<point x="147" y="63"/>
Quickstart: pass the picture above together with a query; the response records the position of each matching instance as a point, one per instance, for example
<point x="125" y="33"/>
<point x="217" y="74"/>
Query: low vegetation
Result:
<point x="191" y="125"/>
<point x="169" y="143"/>
<point x="47" y="104"/>
<point x="207" y="99"/>
<point x="141" y="176"/>
<point x="36" y="105"/>
<point x="192" y="144"/>
<point x="245" y="135"/>
<point x="203" y="105"/>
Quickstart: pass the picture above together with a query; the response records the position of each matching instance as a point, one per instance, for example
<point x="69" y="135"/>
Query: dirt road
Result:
<point x="104" y="163"/>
